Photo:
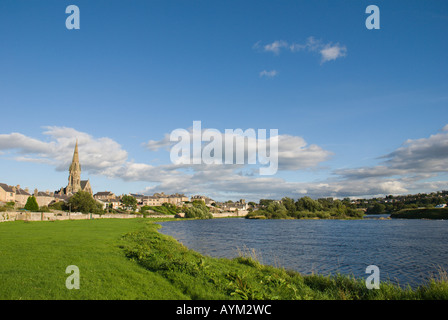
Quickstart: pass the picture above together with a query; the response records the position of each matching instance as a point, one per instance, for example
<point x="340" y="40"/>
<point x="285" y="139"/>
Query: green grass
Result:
<point x="34" y="256"/>
<point x="130" y="259"/>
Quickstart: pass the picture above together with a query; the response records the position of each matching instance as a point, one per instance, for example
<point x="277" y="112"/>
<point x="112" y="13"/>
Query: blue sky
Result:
<point x="367" y="117"/>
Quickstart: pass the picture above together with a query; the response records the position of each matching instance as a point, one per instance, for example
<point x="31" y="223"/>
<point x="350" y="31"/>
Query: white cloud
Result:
<point x="268" y="74"/>
<point x="421" y="156"/>
<point x="98" y="153"/>
<point x="333" y="52"/>
<point x="275" y="46"/>
<point x="293" y="153"/>
<point x="155" y="145"/>
<point x="405" y="170"/>
<point x="327" y="51"/>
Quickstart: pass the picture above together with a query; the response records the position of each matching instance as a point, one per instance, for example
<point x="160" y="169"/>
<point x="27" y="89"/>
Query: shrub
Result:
<point x="60" y="205"/>
<point x="31" y="204"/>
<point x="198" y="210"/>
<point x="83" y="202"/>
<point x="44" y="209"/>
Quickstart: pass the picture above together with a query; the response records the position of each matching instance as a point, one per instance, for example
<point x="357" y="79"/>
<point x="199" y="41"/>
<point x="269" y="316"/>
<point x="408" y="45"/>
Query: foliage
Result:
<point x="31" y="204"/>
<point x="8" y="206"/>
<point x="377" y="208"/>
<point x="60" y="205"/>
<point x="308" y="204"/>
<point x="435" y="213"/>
<point x="198" y="209"/>
<point x="166" y="208"/>
<point x="44" y="209"/>
<point x="83" y="202"/>
<point x="129" y="202"/>
<point x="265" y="202"/>
<point x="306" y="208"/>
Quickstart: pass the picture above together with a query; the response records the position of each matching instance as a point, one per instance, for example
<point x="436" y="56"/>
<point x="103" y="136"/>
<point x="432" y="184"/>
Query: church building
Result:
<point x="75" y="183"/>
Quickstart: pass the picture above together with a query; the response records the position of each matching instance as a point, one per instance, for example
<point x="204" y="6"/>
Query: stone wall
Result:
<point x="240" y="213"/>
<point x="61" y="215"/>
<point x="53" y="216"/>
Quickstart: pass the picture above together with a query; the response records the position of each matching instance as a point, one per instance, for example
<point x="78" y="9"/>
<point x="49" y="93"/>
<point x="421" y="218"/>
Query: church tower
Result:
<point x="74" y="178"/>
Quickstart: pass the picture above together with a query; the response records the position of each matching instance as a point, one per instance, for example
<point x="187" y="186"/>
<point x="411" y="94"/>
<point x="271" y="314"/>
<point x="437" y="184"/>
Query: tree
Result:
<point x="276" y="210"/>
<point x="265" y="202"/>
<point x="60" y="205"/>
<point x="129" y="202"/>
<point x="289" y="205"/>
<point x="308" y="204"/>
<point x="377" y="208"/>
<point x="31" y="204"/>
<point x="83" y="202"/>
<point x="198" y="210"/>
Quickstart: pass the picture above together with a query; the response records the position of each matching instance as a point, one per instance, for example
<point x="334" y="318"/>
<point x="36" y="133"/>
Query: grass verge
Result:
<point x="203" y="277"/>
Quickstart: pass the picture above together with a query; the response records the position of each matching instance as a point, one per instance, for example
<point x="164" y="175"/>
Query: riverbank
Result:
<point x="131" y="259"/>
<point x="435" y="214"/>
<point x="203" y="277"/>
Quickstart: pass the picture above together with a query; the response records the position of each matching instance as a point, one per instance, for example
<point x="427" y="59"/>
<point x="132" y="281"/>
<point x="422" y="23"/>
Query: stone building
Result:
<point x="75" y="183"/>
<point x="21" y="195"/>
<point x="43" y="198"/>
<point x="104" y="195"/>
<point x="7" y="194"/>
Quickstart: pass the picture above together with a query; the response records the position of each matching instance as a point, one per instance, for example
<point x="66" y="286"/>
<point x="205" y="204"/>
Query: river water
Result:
<point x="405" y="251"/>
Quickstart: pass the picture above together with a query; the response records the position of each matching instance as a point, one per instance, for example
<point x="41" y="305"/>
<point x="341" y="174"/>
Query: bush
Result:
<point x="166" y="208"/>
<point x="44" y="209"/>
<point x="377" y="208"/>
<point x="304" y="214"/>
<point x="198" y="210"/>
<point x="31" y="204"/>
<point x="60" y="205"/>
<point x="83" y="202"/>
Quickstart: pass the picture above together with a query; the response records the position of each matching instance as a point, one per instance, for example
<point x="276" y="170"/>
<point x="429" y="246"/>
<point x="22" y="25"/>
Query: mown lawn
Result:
<point x="35" y="255"/>
<point x="130" y="259"/>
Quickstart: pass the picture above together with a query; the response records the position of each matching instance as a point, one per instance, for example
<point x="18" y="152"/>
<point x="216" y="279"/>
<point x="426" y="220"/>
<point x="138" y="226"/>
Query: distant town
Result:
<point x="16" y="197"/>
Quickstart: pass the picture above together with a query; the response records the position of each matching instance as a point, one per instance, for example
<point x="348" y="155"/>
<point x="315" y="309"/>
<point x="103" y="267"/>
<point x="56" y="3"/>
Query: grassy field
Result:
<point x="130" y="259"/>
<point x="34" y="256"/>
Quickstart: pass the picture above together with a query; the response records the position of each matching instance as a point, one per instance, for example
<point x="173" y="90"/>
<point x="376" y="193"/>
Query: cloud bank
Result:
<point x="415" y="165"/>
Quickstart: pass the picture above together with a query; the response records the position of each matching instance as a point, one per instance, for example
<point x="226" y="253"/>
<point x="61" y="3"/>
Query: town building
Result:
<point x="104" y="195"/>
<point x="7" y="194"/>
<point x="21" y="196"/>
<point x="43" y="198"/>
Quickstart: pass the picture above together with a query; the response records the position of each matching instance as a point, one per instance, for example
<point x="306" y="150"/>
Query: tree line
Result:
<point x="306" y="207"/>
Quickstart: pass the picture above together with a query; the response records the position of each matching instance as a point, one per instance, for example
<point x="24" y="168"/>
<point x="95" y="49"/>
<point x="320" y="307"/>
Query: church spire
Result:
<point x="74" y="179"/>
<point x="75" y="166"/>
<point x="75" y="154"/>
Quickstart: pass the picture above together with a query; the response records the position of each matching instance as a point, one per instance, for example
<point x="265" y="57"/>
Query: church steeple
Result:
<point x="75" y="162"/>
<point x="74" y="179"/>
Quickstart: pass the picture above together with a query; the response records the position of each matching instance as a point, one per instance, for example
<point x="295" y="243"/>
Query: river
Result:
<point x="405" y="251"/>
